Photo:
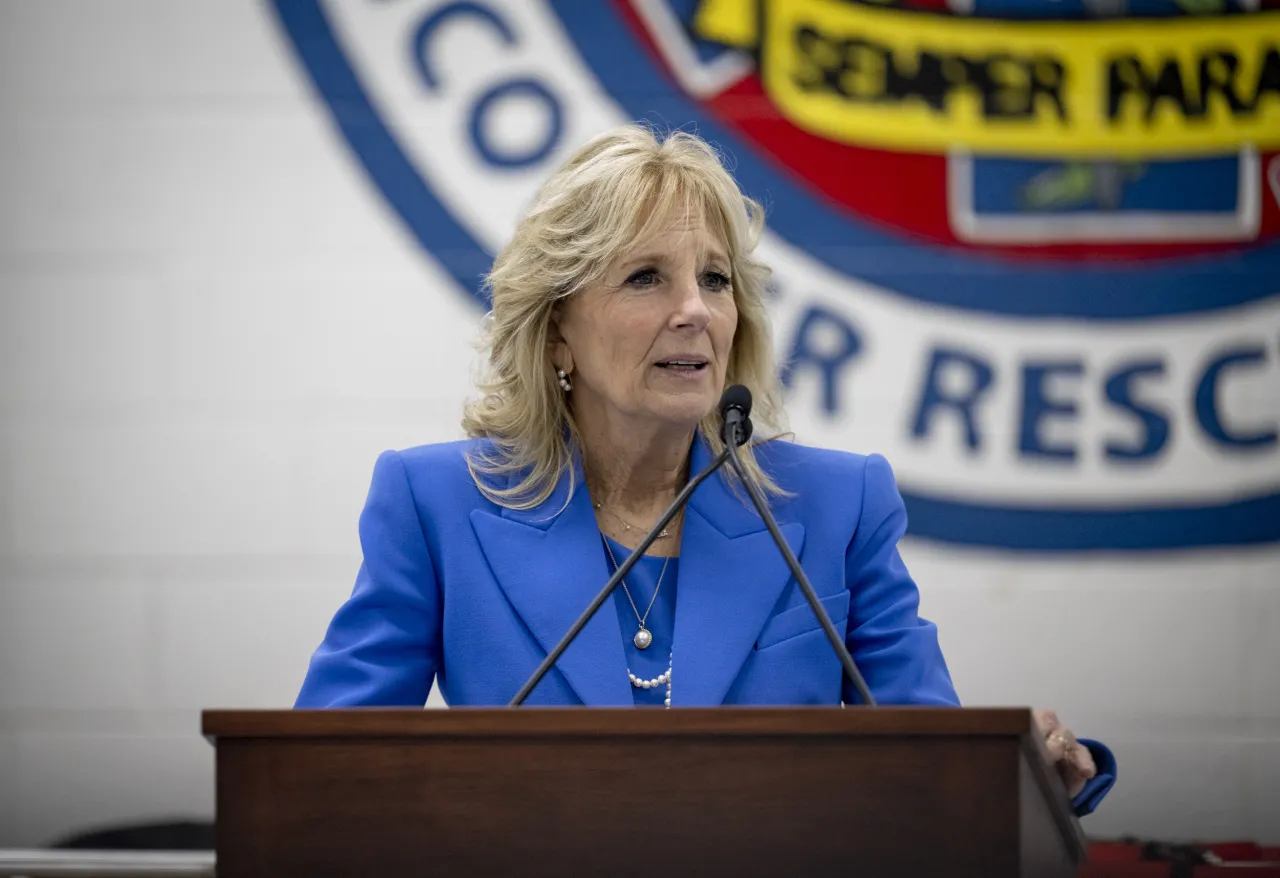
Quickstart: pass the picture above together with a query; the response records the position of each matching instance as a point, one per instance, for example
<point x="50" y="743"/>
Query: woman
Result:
<point x="625" y="303"/>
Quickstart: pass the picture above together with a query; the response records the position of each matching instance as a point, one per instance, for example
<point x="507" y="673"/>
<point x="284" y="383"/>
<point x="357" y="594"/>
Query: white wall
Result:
<point x="210" y="324"/>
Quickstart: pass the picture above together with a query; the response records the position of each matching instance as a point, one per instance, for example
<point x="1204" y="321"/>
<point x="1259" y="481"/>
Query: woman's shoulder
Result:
<point x="831" y="489"/>
<point x="443" y="454"/>
<point x="798" y="467"/>
<point x="441" y="466"/>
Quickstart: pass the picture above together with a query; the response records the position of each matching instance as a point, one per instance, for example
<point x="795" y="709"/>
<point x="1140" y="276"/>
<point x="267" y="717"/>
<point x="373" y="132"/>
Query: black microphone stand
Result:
<point x="736" y="426"/>
<point x="623" y="569"/>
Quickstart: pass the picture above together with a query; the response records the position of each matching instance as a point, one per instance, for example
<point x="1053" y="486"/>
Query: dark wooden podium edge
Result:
<point x="412" y="722"/>
<point x="561" y="722"/>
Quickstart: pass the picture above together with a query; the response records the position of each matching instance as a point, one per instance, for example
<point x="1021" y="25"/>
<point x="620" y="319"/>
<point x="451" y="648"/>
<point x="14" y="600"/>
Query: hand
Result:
<point x="1071" y="758"/>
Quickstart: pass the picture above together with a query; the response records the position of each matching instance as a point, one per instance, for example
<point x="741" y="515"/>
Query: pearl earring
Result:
<point x="564" y="380"/>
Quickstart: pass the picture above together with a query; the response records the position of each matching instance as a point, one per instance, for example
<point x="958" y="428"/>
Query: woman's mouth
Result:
<point x="680" y="364"/>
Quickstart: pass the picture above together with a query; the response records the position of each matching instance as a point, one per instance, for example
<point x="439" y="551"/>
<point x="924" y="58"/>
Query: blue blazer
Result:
<point x="457" y="589"/>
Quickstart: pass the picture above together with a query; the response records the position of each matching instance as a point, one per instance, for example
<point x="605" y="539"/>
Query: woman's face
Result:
<point x="650" y="343"/>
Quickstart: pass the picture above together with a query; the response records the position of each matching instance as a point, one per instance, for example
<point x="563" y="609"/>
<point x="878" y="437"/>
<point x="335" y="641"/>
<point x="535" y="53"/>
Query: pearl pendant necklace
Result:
<point x="643" y="636"/>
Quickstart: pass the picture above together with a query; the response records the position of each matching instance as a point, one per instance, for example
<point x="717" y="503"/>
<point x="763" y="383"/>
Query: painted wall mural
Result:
<point x="1028" y="249"/>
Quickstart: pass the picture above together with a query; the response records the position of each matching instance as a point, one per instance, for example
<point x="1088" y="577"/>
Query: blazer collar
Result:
<point x="550" y="564"/>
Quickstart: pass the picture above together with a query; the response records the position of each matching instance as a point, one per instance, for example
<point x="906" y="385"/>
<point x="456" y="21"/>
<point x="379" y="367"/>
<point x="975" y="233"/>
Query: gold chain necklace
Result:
<point x="643" y="636"/>
<point x="628" y="525"/>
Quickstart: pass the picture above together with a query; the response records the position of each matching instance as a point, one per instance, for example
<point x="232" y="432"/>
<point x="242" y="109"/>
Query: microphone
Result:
<point x="735" y="415"/>
<point x="732" y="405"/>
<point x="736" y="408"/>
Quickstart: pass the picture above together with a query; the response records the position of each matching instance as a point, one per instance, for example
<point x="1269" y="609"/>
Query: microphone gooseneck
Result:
<point x="734" y="433"/>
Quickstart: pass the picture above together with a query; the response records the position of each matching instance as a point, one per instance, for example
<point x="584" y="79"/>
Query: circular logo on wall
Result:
<point x="1028" y="251"/>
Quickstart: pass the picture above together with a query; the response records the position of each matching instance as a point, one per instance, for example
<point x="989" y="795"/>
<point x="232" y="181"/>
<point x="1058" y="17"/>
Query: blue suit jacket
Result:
<point x="456" y="588"/>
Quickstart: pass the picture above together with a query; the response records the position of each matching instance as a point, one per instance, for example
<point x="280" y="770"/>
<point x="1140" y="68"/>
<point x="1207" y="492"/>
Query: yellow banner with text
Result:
<point x="920" y="82"/>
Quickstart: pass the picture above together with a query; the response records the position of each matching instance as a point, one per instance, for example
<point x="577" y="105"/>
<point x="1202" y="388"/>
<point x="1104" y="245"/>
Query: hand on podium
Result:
<point x="1071" y="757"/>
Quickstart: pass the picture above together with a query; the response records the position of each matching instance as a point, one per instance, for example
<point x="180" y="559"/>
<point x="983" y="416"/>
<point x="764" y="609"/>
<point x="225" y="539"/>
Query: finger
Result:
<point x="1076" y="766"/>
<point x="1083" y="761"/>
<point x="1046" y="721"/>
<point x="1069" y="742"/>
<point x="1059" y="744"/>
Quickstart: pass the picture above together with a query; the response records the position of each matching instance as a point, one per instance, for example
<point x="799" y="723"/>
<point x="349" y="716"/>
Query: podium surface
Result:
<point x="585" y="791"/>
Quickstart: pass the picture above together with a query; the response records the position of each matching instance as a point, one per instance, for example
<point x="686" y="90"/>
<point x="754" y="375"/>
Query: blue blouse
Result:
<point x="654" y="659"/>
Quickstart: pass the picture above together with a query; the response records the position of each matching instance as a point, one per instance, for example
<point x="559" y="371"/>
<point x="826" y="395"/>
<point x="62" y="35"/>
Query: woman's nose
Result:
<point x="691" y="308"/>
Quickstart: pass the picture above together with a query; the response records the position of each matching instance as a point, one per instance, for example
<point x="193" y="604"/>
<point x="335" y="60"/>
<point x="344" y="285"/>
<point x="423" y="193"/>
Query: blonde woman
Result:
<point x="626" y="302"/>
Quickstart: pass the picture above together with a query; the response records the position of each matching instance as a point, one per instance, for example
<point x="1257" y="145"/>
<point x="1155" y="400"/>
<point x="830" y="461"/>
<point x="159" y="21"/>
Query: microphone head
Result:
<point x="735" y="397"/>
<point x="735" y="415"/>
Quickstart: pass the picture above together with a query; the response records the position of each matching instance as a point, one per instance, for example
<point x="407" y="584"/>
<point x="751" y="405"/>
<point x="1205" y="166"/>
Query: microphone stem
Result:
<point x="618" y="574"/>
<point x="797" y="572"/>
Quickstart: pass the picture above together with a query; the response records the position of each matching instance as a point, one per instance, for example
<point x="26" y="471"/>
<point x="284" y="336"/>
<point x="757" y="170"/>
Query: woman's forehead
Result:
<point x="677" y="228"/>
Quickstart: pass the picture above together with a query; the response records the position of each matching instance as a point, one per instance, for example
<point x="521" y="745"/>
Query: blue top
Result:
<point x="459" y="590"/>
<point x="653" y="660"/>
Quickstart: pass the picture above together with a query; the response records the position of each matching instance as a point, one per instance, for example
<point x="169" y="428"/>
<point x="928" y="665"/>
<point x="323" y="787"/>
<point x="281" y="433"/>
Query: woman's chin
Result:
<point x="684" y="409"/>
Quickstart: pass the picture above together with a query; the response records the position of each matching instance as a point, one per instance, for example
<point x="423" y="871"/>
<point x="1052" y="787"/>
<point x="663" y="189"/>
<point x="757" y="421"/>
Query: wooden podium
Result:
<point x="654" y="793"/>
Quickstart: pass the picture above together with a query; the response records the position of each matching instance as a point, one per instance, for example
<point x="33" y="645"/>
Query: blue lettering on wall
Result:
<point x="521" y="88"/>
<point x="1154" y="423"/>
<point x="1037" y="406"/>
<point x="824" y="340"/>
<point x="1207" y="410"/>
<point x="976" y="376"/>
<point x="422" y="37"/>
<point x="532" y="154"/>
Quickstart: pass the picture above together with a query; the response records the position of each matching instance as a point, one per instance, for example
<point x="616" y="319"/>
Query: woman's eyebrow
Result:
<point x="650" y="258"/>
<point x="711" y="257"/>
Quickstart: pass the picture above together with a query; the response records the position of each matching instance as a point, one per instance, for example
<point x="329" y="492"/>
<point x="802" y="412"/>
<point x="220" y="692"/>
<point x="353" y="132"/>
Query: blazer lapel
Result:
<point x="550" y="565"/>
<point x="731" y="578"/>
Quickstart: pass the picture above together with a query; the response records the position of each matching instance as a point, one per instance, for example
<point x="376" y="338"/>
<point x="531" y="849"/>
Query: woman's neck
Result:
<point x="634" y="475"/>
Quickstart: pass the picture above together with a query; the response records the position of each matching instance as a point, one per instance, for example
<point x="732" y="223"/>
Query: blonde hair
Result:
<point x="586" y="215"/>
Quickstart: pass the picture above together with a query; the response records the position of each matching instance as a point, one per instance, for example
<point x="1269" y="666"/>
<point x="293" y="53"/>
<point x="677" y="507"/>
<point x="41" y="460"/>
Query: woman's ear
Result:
<point x="557" y="347"/>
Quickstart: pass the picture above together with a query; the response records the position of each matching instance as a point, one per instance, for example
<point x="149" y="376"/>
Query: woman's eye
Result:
<point x="645" y="277"/>
<point x="715" y="281"/>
